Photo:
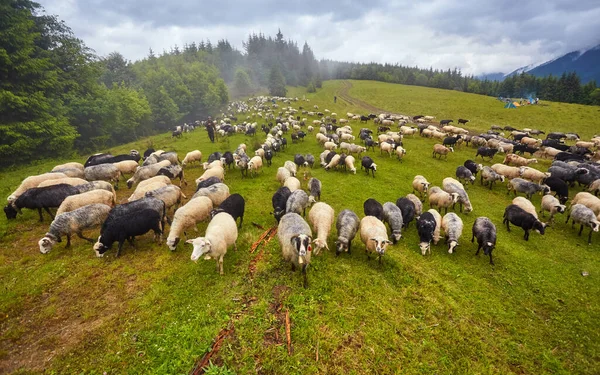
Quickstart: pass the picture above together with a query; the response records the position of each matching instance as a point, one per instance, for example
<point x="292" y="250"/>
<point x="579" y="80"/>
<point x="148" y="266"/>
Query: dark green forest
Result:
<point x="58" y="97"/>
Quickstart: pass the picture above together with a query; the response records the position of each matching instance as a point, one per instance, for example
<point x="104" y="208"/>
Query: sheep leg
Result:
<point x="491" y="261"/>
<point x="568" y="216"/>
<point x="580" y="230"/>
<point x="40" y="213"/>
<point x="49" y="212"/>
<point x="526" y="235"/>
<point x="221" y="265"/>
<point x="80" y="235"/>
<point x="68" y="241"/>
<point x="478" y="249"/>
<point x="241" y="221"/>
<point x="590" y="236"/>
<point x="507" y="224"/>
<point x="293" y="267"/>
<point x="235" y="246"/>
<point x="120" y="247"/>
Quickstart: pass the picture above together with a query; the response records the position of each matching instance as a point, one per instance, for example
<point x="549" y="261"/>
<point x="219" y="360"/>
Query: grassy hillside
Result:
<point x="155" y="311"/>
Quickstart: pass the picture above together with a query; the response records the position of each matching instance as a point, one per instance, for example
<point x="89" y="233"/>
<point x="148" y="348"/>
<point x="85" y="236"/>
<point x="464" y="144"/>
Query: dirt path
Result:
<point x="343" y="93"/>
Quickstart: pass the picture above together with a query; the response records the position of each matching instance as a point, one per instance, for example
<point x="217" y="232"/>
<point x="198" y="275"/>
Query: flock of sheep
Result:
<point x="85" y="198"/>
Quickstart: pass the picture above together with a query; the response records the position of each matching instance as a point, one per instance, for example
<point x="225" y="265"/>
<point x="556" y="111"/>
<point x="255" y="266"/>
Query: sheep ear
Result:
<point x="190" y="241"/>
<point x="293" y="239"/>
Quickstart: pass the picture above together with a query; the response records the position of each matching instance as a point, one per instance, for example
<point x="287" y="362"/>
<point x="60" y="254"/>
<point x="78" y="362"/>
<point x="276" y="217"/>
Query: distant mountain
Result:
<point x="585" y="63"/>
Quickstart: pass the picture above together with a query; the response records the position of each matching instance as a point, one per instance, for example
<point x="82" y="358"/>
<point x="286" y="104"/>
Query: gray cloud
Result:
<point x="475" y="36"/>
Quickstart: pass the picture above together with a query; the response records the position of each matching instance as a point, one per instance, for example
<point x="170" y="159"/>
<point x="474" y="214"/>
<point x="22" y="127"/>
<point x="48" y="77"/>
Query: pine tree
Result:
<point x="276" y="82"/>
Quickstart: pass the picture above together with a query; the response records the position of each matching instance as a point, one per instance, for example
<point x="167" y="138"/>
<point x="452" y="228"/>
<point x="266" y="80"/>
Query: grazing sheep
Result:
<point x="283" y="174"/>
<point x="76" y="201"/>
<point x="188" y="216"/>
<point x="144" y="173"/>
<point x="373" y="208"/>
<point x="349" y="162"/>
<point x="206" y="183"/>
<point x="392" y="215"/>
<point x="400" y="152"/>
<point x="310" y="160"/>
<point x="103" y="172"/>
<point x="71" y="172"/>
<point x="594" y="187"/>
<point x="169" y="194"/>
<point x="506" y="171"/>
<point x="164" y="156"/>
<point x="220" y="234"/>
<point x="191" y="157"/>
<point x="73" y="181"/>
<point x="234" y="205"/>
<point x="369" y="165"/>
<point x="453" y="227"/>
<point x="321" y="217"/>
<point x="295" y="239"/>
<point x="314" y="185"/>
<point x="292" y="183"/>
<point x="40" y="198"/>
<point x="127" y="166"/>
<point x="69" y="165"/>
<point x="217" y="193"/>
<point x="521" y="218"/>
<point x="489" y="176"/>
<point x="533" y="175"/>
<point x="173" y="171"/>
<point x="217" y="171"/>
<point x="526" y="205"/>
<point x="417" y="202"/>
<point x="335" y="160"/>
<point x="140" y="192"/>
<point x="529" y="188"/>
<point x="568" y="175"/>
<point x="279" y="202"/>
<point x="126" y="225"/>
<point x="374" y="235"/>
<point x="347" y="225"/>
<point x="290" y="166"/>
<point x="32" y="182"/>
<point x="581" y="214"/>
<point x="426" y="227"/>
<point x="439" y="149"/>
<point x="74" y="222"/>
<point x="588" y="200"/>
<point x="421" y="185"/>
<point x="439" y="198"/>
<point x="297" y="202"/>
<point x="408" y="209"/>
<point x="552" y="205"/>
<point x="463" y="174"/>
<point x="214" y="164"/>
<point x="485" y="232"/>
<point x="254" y="165"/>
<point x="517" y="160"/>
<point x="164" y="179"/>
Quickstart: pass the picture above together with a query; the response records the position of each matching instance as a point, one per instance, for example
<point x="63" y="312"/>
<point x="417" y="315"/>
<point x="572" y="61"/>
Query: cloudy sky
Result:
<point x="477" y="36"/>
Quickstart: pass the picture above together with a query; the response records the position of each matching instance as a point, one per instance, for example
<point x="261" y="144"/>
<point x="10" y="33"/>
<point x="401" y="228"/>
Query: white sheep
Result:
<point x="349" y="161"/>
<point x="283" y="174"/>
<point x="127" y="166"/>
<point x="552" y="205"/>
<point x="216" y="171"/>
<point x="154" y="179"/>
<point x="373" y="234"/>
<point x="34" y="181"/>
<point x="73" y="181"/>
<point x="439" y="149"/>
<point x="255" y="164"/>
<point x="146" y="172"/>
<point x="103" y="172"/>
<point x="438" y="226"/>
<point x="290" y="166"/>
<point x="140" y="192"/>
<point x="526" y="205"/>
<point x="69" y="165"/>
<point x="588" y="200"/>
<point x="292" y="183"/>
<point x="220" y="234"/>
<point x="74" y="202"/>
<point x="335" y="160"/>
<point x="188" y="216"/>
<point x="506" y="171"/>
<point x="191" y="157"/>
<point x="170" y="194"/>
<point x="440" y="199"/>
<point x="321" y="217"/>
<point x="330" y="146"/>
<point x="420" y="185"/>
<point x="453" y="227"/>
<point x="417" y="202"/>
<point x="217" y="193"/>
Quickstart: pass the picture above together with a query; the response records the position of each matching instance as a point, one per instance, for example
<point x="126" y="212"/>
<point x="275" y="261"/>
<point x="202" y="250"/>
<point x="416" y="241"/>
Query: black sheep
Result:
<point x="522" y="149"/>
<point x="329" y="156"/>
<point x="556" y="135"/>
<point x="208" y="182"/>
<point x="234" y="205"/>
<point x="310" y="160"/>
<point x="568" y="156"/>
<point x="228" y="159"/>
<point x="445" y="122"/>
<point x="109" y="159"/>
<point x="370" y="143"/>
<point x="214" y="156"/>
<point x="97" y="159"/>
<point x="148" y="152"/>
<point x="125" y="226"/>
<point x="368" y="164"/>
<point x="408" y="210"/>
<point x="472" y="166"/>
<point x="268" y="156"/>
<point x="279" y="201"/>
<point x="485" y="232"/>
<point x="425" y="227"/>
<point x="462" y="121"/>
<point x="486" y="151"/>
<point x="40" y="197"/>
<point x="373" y="208"/>
<point x="300" y="161"/>
<point x="173" y="172"/>
<point x="451" y="141"/>
<point x="521" y="218"/>
<point x="559" y="187"/>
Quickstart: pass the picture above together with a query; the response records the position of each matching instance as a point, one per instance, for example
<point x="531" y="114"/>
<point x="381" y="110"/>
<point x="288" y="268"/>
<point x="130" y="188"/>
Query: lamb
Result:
<point x="38" y="198"/>
<point x="373" y="208"/>
<point x="347" y="225"/>
<point x="188" y="216"/>
<point x="218" y="172"/>
<point x="584" y="216"/>
<point x="220" y="234"/>
<point x="463" y="174"/>
<point x="552" y="205"/>
<point x="234" y="205"/>
<point x="439" y="198"/>
<point x="517" y="160"/>
<point x="426" y="227"/>
<point x="421" y="185"/>
<point x="173" y="171"/>
<point x="254" y="165"/>
<point x="529" y="188"/>
<point x="386" y="147"/>
<point x="144" y="173"/>
<point x="374" y="235"/>
<point x="76" y="201"/>
<point x="521" y="218"/>
<point x="400" y="152"/>
<point x="506" y="171"/>
<point x="292" y="183"/>
<point x="34" y="181"/>
<point x="217" y="193"/>
<point x="283" y="174"/>
<point x="439" y="149"/>
<point x="169" y="194"/>
<point x="290" y="166"/>
<point x="453" y="227"/>
<point x="349" y="162"/>
<point x="314" y="185"/>
<point x="321" y="217"/>
<point x="485" y="232"/>
<point x="392" y="215"/>
<point x="103" y="172"/>
<point x="140" y="192"/>
<point x="73" y="181"/>
<point x="369" y="165"/>
<point x="408" y="209"/>
<point x="279" y="202"/>
<point x="127" y="166"/>
<point x="191" y="157"/>
<point x="526" y="205"/>
<point x="295" y="239"/>
<point x="122" y="225"/>
<point x="417" y="202"/>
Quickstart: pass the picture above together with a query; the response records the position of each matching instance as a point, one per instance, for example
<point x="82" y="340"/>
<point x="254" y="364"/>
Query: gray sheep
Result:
<point x="489" y="176"/>
<point x="485" y="232"/>
<point x="314" y="185"/>
<point x="103" y="172"/>
<point x="463" y="174"/>
<point x="295" y="238"/>
<point x="453" y="227"/>
<point x="580" y="214"/>
<point x="529" y="188"/>
<point x="347" y="225"/>
<point x="297" y="202"/>
<point x="393" y="217"/>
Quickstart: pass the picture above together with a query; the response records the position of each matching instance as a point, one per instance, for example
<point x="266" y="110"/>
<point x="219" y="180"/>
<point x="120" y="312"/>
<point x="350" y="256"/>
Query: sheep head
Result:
<point x="201" y="246"/>
<point x="46" y="243"/>
<point x="452" y="246"/>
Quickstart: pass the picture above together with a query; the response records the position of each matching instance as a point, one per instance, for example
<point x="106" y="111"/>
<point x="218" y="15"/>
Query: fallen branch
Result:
<point x="199" y="368"/>
<point x="258" y="225"/>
